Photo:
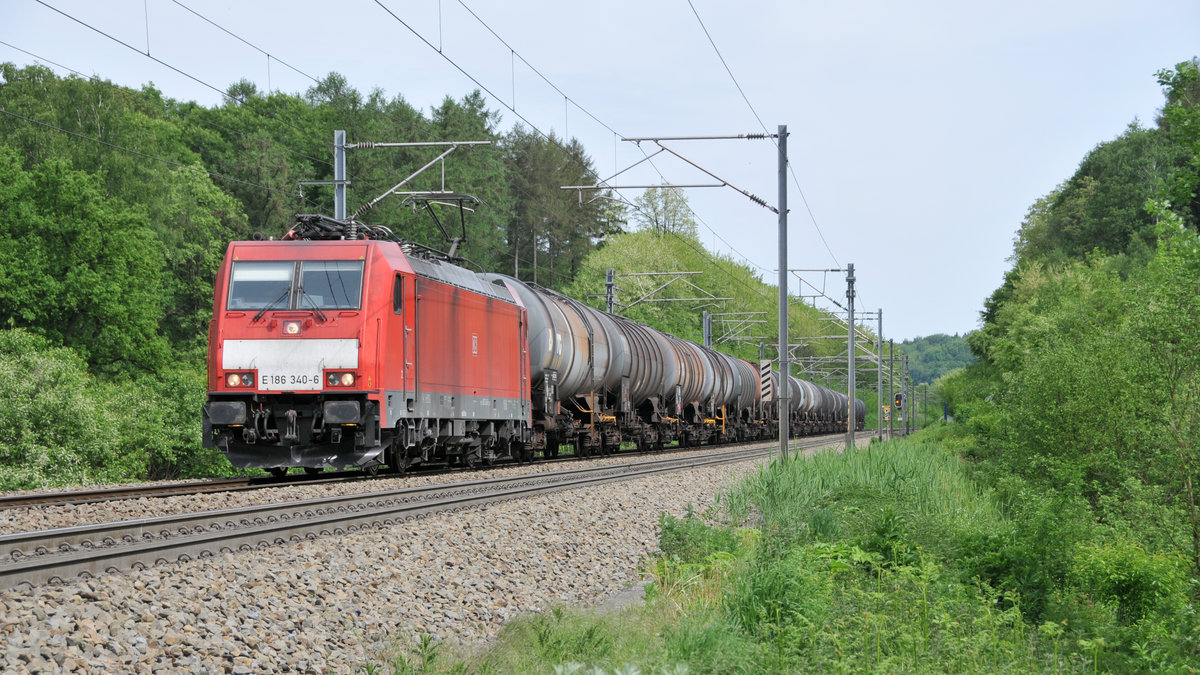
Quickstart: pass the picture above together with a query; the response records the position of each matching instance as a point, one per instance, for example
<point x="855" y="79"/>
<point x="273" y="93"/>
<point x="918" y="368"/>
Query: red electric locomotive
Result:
<point x="331" y="353"/>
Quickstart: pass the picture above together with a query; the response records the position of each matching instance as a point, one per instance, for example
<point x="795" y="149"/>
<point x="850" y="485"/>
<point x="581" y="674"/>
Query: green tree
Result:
<point x="932" y="356"/>
<point x="552" y="230"/>
<point x="195" y="221"/>
<point x="78" y="267"/>
<point x="665" y="210"/>
<point x="1181" y="120"/>
<point x="1168" y="324"/>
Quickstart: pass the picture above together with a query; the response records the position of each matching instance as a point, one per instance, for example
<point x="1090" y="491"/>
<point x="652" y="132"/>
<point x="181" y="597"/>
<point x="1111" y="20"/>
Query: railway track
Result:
<point x="58" y="555"/>
<point x="234" y="484"/>
<point x="74" y="497"/>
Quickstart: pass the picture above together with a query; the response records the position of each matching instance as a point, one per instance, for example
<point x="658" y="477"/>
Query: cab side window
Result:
<point x="398" y="295"/>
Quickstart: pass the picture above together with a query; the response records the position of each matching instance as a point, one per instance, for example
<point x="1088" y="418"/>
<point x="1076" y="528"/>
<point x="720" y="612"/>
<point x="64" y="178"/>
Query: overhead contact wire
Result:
<point x="745" y="98"/>
<point x="224" y="94"/>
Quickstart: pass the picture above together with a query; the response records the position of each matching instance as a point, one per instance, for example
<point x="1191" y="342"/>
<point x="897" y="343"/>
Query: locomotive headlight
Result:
<point x="291" y="327"/>
<point x="239" y="380"/>
<point x="340" y="379"/>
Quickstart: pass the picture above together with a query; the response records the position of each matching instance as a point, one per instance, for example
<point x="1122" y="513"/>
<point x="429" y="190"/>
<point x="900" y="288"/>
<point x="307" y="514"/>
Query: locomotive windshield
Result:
<point x="307" y="284"/>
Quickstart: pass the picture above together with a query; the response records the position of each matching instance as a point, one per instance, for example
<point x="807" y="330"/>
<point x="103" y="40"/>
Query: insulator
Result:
<point x="756" y="137"/>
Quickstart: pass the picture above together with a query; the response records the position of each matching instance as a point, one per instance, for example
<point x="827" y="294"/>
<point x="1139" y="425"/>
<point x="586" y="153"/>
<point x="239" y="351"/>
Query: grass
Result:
<point x="855" y="562"/>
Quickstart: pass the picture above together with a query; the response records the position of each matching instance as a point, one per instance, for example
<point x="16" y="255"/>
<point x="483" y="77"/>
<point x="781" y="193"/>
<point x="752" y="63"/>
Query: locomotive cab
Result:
<point x="288" y="382"/>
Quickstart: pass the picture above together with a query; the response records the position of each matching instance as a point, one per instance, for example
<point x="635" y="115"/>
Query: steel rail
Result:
<point x="75" y="497"/>
<point x="58" y="555"/>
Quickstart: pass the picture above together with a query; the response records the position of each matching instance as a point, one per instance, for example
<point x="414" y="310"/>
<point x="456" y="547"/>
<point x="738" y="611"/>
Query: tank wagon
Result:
<point x="328" y="349"/>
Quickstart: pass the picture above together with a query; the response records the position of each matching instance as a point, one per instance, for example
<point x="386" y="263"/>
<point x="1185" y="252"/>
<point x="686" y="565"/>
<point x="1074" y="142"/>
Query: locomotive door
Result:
<point x="402" y="375"/>
<point x="412" y="363"/>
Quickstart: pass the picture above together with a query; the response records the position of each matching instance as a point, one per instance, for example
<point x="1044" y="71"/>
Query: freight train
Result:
<point x="340" y="346"/>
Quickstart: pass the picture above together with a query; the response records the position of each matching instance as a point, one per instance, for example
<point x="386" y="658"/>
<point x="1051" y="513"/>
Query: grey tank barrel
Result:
<point x="593" y="351"/>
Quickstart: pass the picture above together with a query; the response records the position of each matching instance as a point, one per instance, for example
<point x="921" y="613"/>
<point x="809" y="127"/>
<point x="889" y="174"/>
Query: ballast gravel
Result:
<point x="338" y="603"/>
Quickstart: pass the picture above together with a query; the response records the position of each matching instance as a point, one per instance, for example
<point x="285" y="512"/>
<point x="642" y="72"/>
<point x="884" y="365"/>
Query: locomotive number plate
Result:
<point x="290" y="381"/>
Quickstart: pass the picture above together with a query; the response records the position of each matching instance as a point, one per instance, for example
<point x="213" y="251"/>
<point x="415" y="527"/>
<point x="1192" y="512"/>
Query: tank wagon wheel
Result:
<point x="313" y="470"/>
<point x="278" y="471"/>
<point x="581" y="450"/>
<point x="371" y="470"/>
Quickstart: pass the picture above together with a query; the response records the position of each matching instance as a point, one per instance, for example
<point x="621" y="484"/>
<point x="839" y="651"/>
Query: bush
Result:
<point x="60" y="426"/>
<point x="1030" y="558"/>
<point x="54" y="428"/>
<point x="1140" y="583"/>
<point x="160" y="429"/>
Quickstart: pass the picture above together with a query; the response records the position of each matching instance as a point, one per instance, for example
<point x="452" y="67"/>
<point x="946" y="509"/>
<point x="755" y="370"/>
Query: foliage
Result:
<point x="665" y="210"/>
<point x="61" y="426"/>
<point x="1100" y="207"/>
<point x="1123" y="572"/>
<point x="1181" y="120"/>
<point x="1084" y="408"/>
<point x="931" y="357"/>
<point x="54" y="428"/>
<point x="551" y="230"/>
<point x="691" y="539"/>
<point x="965" y="389"/>
<point x="77" y="267"/>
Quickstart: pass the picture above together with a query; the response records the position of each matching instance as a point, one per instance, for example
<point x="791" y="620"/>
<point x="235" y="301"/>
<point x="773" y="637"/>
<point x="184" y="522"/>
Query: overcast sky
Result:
<point x="920" y="132"/>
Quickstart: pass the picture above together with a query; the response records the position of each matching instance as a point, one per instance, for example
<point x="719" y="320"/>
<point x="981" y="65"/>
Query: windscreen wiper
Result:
<point x="305" y="296"/>
<point x="270" y="305"/>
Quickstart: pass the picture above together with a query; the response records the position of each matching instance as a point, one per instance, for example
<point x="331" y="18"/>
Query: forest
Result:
<point x="932" y="356"/>
<point x="116" y="207"/>
<point x="1082" y="409"/>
